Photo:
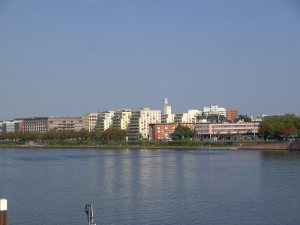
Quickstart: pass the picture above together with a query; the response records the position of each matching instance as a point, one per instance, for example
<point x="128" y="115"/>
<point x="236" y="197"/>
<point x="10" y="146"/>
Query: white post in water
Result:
<point x="3" y="211"/>
<point x="90" y="214"/>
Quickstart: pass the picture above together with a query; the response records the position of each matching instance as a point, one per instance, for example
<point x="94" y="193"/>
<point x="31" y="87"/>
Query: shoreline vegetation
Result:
<point x="178" y="144"/>
<point x="276" y="133"/>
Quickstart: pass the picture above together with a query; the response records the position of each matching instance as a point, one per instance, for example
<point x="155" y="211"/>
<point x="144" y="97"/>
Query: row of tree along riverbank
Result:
<point x="177" y="144"/>
<point x="279" y="128"/>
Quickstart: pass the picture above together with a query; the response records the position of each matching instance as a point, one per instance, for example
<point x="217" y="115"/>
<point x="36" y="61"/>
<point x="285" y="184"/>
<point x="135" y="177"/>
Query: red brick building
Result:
<point x="163" y="131"/>
<point x="65" y="123"/>
<point x="39" y="124"/>
<point x="231" y="114"/>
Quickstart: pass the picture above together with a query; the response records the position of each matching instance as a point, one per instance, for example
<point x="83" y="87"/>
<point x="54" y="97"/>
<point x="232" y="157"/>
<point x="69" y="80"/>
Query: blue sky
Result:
<point x="70" y="57"/>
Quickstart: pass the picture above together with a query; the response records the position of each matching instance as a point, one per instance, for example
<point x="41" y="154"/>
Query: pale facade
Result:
<point x="104" y="120"/>
<point x="189" y="117"/>
<point x="167" y="117"/>
<point x="215" y="129"/>
<point x="65" y="123"/>
<point x="167" y="107"/>
<point x="121" y="119"/>
<point x="140" y="120"/>
<point x="10" y="126"/>
<point x="90" y="121"/>
<point x="214" y="110"/>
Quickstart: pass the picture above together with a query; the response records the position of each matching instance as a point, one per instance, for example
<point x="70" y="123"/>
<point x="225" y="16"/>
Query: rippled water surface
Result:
<point x="52" y="186"/>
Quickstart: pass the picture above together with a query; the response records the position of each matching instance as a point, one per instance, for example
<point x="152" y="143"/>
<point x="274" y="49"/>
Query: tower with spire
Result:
<point x="167" y="117"/>
<point x="167" y="107"/>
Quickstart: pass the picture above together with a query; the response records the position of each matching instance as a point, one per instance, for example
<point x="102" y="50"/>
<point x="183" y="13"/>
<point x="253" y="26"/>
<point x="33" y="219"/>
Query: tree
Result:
<point x="95" y="135"/>
<point x="244" y="118"/>
<point x="83" y="134"/>
<point x="213" y="118"/>
<point x="199" y="117"/>
<point x="288" y="129"/>
<point x="278" y="126"/>
<point x="182" y="132"/>
<point x="114" y="134"/>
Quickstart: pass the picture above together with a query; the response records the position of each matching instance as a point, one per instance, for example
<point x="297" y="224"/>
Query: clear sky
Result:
<point x="70" y="57"/>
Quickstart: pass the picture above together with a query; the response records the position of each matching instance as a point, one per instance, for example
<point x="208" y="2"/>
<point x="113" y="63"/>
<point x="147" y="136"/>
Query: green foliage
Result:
<point x="244" y="118"/>
<point x="279" y="126"/>
<point x="114" y="134"/>
<point x="82" y="135"/>
<point x="182" y="132"/>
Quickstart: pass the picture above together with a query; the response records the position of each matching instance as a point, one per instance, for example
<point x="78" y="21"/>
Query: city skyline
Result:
<point x="161" y="109"/>
<point x="70" y="58"/>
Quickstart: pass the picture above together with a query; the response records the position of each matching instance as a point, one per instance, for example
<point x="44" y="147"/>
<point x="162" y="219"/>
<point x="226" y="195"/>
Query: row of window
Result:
<point x="233" y="126"/>
<point x="167" y="128"/>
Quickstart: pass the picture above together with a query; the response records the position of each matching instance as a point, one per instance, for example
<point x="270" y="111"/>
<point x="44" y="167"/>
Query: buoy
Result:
<point x="3" y="211"/>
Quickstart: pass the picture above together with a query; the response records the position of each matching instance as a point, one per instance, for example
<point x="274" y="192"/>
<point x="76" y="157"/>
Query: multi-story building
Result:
<point x="104" y="120"/>
<point x="140" y="120"/>
<point x="263" y="117"/>
<point x="121" y="119"/>
<point x="214" y="110"/>
<point x="65" y="123"/>
<point x="223" y="129"/>
<point x="160" y="131"/>
<point x="231" y="114"/>
<point x="10" y="126"/>
<point x="90" y="121"/>
<point x="163" y="131"/>
<point x="189" y="117"/>
<point x="167" y="118"/>
<point x="39" y="124"/>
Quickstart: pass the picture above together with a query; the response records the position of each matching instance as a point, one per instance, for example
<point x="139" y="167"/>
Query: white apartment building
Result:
<point x="140" y="120"/>
<point x="90" y="121"/>
<point x="104" y="120"/>
<point x="214" y="110"/>
<point x="121" y="119"/>
<point x="10" y="126"/>
<point x="189" y="117"/>
<point x="167" y="118"/>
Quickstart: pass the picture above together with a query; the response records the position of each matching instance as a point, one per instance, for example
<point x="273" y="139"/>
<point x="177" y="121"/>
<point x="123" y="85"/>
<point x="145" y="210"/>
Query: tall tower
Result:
<point x="167" y="107"/>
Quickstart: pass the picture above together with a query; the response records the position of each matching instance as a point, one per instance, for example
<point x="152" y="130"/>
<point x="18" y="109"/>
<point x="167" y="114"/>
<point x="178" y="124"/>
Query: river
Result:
<point x="52" y="186"/>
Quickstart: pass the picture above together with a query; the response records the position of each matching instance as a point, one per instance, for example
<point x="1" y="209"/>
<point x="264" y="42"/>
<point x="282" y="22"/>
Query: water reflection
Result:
<point x="151" y="187"/>
<point x="279" y="186"/>
<point x="280" y="154"/>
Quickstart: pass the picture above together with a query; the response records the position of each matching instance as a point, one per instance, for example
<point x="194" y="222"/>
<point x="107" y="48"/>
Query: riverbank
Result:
<point x="186" y="144"/>
<point x="293" y="146"/>
<point x="137" y="146"/>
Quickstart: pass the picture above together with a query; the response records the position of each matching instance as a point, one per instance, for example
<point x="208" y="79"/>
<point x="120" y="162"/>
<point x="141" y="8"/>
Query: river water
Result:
<point x="52" y="186"/>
